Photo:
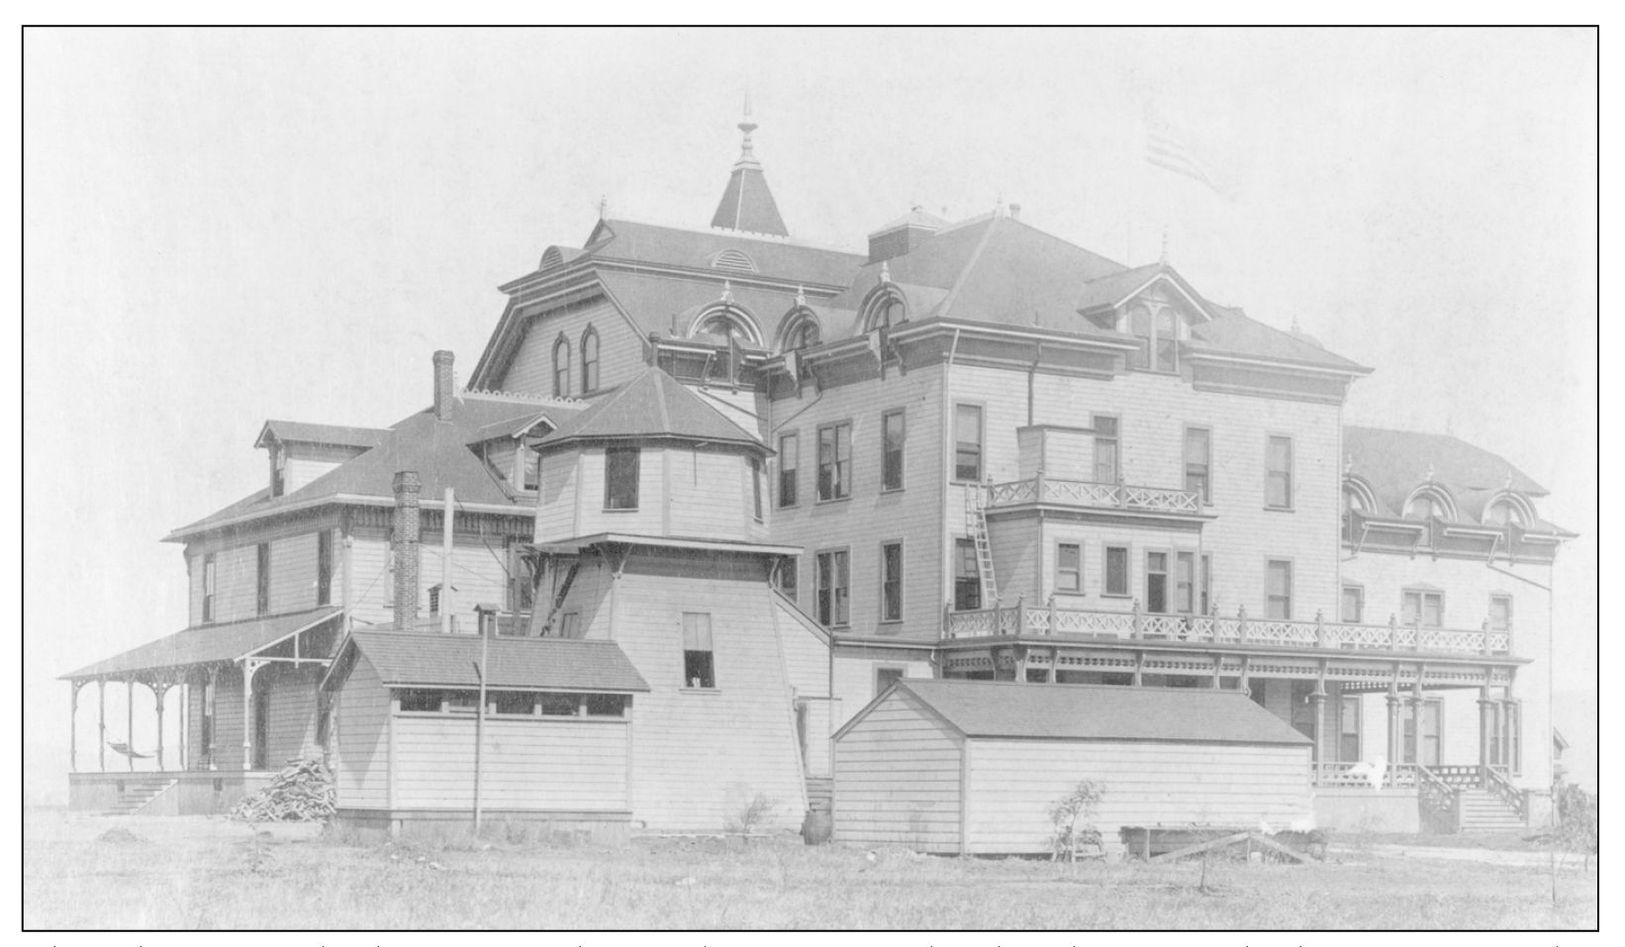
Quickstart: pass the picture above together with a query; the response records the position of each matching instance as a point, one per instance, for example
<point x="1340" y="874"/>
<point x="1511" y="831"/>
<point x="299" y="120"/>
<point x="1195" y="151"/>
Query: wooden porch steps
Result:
<point x="136" y="792"/>
<point x="1484" y="811"/>
<point x="820" y="790"/>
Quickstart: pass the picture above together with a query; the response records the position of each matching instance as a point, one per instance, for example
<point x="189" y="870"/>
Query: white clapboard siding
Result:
<point x="293" y="573"/>
<point x="855" y="678"/>
<point x="1013" y="784"/>
<point x="228" y="719"/>
<point x="806" y="662"/>
<point x="556" y="510"/>
<point x="870" y="517"/>
<point x="479" y="575"/>
<point x="533" y="763"/>
<point x="710" y="495"/>
<point x="293" y="711"/>
<point x="701" y="756"/>
<point x="305" y="462"/>
<point x="897" y="779"/>
<point x="620" y="350"/>
<point x="360" y="744"/>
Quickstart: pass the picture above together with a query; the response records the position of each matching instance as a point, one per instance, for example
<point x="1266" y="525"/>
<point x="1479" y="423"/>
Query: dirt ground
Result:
<point x="84" y="871"/>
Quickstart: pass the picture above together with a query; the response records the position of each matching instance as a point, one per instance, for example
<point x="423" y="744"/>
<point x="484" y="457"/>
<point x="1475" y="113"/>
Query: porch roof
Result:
<point x="206" y="644"/>
<point x="419" y="659"/>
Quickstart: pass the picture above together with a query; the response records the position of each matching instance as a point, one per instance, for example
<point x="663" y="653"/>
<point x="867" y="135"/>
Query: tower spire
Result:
<point x="747" y="204"/>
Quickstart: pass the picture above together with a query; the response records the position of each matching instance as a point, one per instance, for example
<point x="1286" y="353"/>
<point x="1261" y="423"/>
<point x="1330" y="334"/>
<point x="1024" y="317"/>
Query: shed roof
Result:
<point x="427" y="659"/>
<point x="653" y="404"/>
<point x="206" y="644"/>
<point x="1008" y="709"/>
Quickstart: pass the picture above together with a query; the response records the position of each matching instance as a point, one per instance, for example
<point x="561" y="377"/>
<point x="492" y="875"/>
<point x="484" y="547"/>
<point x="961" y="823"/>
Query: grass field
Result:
<point x="207" y="873"/>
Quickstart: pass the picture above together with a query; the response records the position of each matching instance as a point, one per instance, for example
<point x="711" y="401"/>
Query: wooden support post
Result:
<point x="1486" y="726"/>
<point x="183" y="730"/>
<point x="73" y="727"/>
<point x="1218" y="662"/>
<point x="101" y="723"/>
<point x="158" y="692"/>
<point x="129" y="721"/>
<point x="1139" y="668"/>
<point x="1317" y="701"/>
<point x="1396" y="743"/>
<point x="249" y="667"/>
<point x="210" y="692"/>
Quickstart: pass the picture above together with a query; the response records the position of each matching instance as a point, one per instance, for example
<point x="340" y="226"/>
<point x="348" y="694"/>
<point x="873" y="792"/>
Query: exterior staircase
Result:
<point x="1484" y="811"/>
<point x="976" y="525"/>
<point x="820" y="791"/>
<point x="135" y="792"/>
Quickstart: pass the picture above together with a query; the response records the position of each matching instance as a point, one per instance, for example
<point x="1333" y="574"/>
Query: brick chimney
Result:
<point x="444" y="385"/>
<point x="404" y="543"/>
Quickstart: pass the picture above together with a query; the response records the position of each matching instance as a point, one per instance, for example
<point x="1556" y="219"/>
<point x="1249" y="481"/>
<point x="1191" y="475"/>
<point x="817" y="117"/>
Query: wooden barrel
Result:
<point x="817" y="826"/>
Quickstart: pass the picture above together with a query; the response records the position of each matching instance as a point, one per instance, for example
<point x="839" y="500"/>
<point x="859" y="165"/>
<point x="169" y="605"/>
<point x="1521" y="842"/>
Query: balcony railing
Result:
<point x="1115" y="496"/>
<point x="1241" y="630"/>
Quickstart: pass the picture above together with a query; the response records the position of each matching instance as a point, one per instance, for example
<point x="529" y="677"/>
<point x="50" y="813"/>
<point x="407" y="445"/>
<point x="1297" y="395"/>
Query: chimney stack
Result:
<point x="1015" y="211"/>
<point x="444" y="385"/>
<point x="404" y="543"/>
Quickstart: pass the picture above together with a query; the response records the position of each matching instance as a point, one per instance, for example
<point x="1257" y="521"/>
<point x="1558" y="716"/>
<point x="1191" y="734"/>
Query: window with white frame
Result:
<point x="891" y="582"/>
<point x="698" y="659"/>
<point x="1069" y="567"/>
<point x="1278" y="589"/>
<point x="1424" y="607"/>
<point x="832" y="588"/>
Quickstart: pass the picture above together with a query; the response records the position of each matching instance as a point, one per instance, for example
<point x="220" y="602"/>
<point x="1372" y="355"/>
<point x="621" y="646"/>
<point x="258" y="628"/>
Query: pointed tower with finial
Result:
<point x="747" y="204"/>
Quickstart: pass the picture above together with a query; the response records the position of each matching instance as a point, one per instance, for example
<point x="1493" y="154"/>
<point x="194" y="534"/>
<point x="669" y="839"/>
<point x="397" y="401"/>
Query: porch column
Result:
<point x="249" y="667"/>
<point x="1396" y="743"/>
<point x="182" y="730"/>
<point x="209" y="694"/>
<point x="73" y="727"/>
<point x="158" y="692"/>
<point x="129" y="721"/>
<point x="1486" y="726"/>
<point x="1416" y="714"/>
<point x="101" y="723"/>
<point x="1317" y="703"/>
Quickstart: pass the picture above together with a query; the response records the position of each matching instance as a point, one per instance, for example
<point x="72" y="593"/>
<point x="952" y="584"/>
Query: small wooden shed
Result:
<point x="973" y="767"/>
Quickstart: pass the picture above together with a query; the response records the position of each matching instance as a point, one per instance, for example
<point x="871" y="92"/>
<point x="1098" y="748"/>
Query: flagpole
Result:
<point x="480" y="621"/>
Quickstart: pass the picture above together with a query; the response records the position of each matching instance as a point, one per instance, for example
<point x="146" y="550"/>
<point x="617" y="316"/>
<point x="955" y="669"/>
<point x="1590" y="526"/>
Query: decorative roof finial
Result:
<point x="603" y="206"/>
<point x="727" y="293"/>
<point x="801" y="295"/>
<point x="1508" y="484"/>
<point x="747" y="126"/>
<point x="1348" y="464"/>
<point x="1430" y="473"/>
<point x="885" y="271"/>
<point x="998" y="205"/>
<point x="1164" y="258"/>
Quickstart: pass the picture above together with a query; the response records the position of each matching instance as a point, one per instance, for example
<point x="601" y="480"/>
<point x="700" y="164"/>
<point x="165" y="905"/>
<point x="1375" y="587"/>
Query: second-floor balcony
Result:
<point x="1024" y="620"/>
<point x="1084" y="493"/>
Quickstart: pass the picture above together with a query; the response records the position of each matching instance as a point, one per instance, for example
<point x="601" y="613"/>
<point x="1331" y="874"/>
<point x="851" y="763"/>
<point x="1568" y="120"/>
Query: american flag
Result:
<point x="1166" y="148"/>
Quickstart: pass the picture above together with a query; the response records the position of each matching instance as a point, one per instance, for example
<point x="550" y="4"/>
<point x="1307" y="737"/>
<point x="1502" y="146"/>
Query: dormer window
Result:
<point x="279" y="464"/>
<point x="722" y="326"/>
<point x="1505" y="512"/>
<point x="1157" y="330"/>
<point x="1429" y="502"/>
<point x="884" y="311"/>
<point x="803" y="334"/>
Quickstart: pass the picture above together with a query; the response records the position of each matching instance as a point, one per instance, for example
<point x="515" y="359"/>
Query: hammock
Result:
<point x="124" y="749"/>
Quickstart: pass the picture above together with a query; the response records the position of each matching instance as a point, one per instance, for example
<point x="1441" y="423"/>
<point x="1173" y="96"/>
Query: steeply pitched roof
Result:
<point x="1234" y="333"/>
<point x="1099" y="712"/>
<point x="426" y="659"/>
<point x="438" y="451"/>
<point x="206" y="644"/>
<point x="748" y="205"/>
<point x="1394" y="463"/>
<point x="303" y="432"/>
<point x="652" y="405"/>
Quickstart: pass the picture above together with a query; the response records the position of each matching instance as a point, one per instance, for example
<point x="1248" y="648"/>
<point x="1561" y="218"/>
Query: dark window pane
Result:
<point x="1116" y="570"/>
<point x="967" y="577"/>
<point x="891" y="582"/>
<point x="891" y="454"/>
<point x="789" y="468"/>
<point x="967" y="442"/>
<point x="621" y="478"/>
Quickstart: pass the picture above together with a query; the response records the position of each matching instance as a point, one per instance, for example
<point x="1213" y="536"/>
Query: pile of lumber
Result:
<point x="302" y="792"/>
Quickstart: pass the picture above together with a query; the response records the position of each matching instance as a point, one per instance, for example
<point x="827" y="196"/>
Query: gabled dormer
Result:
<point x="1152" y="303"/>
<point x="300" y="452"/>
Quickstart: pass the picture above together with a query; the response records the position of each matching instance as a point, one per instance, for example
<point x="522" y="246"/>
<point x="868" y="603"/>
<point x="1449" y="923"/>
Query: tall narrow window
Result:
<point x="967" y="577"/>
<point x="1353" y="610"/>
<point x="1423" y="607"/>
<point x="1428" y="738"/>
<point x="1158" y="335"/>
<point x="891" y="450"/>
<point x="561" y="368"/>
<point x="833" y="588"/>
<point x="589" y="361"/>
<point x="698" y="661"/>
<point x="891" y="582"/>
<point x="621" y="478"/>
<point x="1207" y="584"/>
<point x="968" y="442"/>
<point x="208" y="587"/>
<point x="521" y="581"/>
<point x="835" y="461"/>
<point x="1198" y="449"/>
<point x="1278" y="477"/>
<point x="279" y="463"/>
<point x="1278" y="582"/>
<point x="1116" y="570"/>
<point x="1156" y="582"/>
<point x="1348" y="727"/>
<point x="789" y="467"/>
<point x="324" y="567"/>
<point x="1500" y="613"/>
<point x="262" y="579"/>
<point x="1185" y="582"/>
<point x="755" y="466"/>
<point x="1068" y="567"/>
<point x="532" y="468"/>
<point x="1105" y="448"/>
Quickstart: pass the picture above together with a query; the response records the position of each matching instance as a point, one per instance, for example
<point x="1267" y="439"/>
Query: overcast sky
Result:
<point x="223" y="227"/>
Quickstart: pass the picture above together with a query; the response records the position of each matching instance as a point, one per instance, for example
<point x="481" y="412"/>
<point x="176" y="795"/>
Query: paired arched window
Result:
<point x="1508" y="509"/>
<point x="801" y="332"/>
<point x="589" y="361"/>
<point x="1158" y="331"/>
<point x="561" y="367"/>
<point x="885" y="310"/>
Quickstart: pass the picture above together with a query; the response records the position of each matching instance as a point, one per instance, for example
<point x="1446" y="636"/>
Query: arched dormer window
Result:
<point x="1428" y="501"/>
<point x="561" y="367"/>
<point x="552" y="257"/>
<point x="885" y="309"/>
<point x="801" y="331"/>
<point x="723" y="323"/>
<point x="589" y="361"/>
<point x="1357" y="496"/>
<point x="1508" y="508"/>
